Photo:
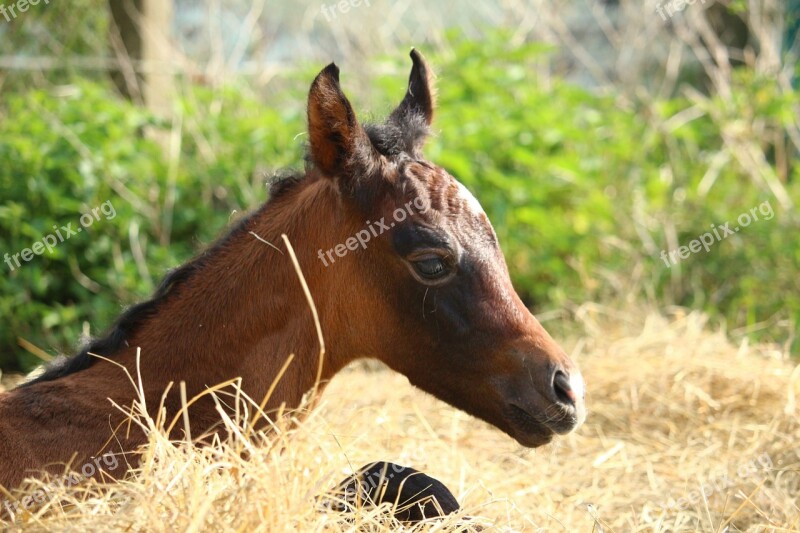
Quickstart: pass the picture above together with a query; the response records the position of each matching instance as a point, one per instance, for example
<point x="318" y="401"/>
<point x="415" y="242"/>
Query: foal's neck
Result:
<point x="243" y="313"/>
<point x="240" y="314"/>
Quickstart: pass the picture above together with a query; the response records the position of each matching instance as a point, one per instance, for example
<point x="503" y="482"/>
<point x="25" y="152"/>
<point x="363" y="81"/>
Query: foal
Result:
<point x="403" y="266"/>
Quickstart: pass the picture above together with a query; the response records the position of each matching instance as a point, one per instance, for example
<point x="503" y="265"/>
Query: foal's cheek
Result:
<point x="444" y="317"/>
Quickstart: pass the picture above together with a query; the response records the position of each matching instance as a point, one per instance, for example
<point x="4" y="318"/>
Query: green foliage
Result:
<point x="585" y="191"/>
<point x="538" y="160"/>
<point x="65" y="152"/>
<point x="70" y="31"/>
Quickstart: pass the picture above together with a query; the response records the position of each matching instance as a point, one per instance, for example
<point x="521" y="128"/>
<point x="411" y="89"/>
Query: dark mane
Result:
<point x="126" y="325"/>
<point x="116" y="337"/>
<point x="283" y="182"/>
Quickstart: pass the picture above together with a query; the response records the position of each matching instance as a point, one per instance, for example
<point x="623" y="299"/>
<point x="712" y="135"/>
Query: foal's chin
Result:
<point x="532" y="441"/>
<point x="532" y="431"/>
<point x="530" y="435"/>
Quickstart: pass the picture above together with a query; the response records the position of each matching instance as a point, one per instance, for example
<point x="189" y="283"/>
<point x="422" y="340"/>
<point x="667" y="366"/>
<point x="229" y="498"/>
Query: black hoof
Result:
<point x="414" y="496"/>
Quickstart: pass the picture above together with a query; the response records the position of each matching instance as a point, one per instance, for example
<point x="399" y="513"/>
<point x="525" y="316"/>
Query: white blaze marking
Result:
<point x="577" y="384"/>
<point x="472" y="202"/>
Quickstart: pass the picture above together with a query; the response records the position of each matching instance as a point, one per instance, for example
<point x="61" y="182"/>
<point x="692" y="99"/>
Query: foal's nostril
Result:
<point x="562" y="388"/>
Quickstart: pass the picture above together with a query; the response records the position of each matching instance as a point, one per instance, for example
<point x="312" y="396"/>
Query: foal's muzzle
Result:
<point x="550" y="406"/>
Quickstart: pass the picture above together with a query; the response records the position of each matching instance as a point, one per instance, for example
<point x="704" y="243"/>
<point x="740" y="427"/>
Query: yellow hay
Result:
<point x="686" y="432"/>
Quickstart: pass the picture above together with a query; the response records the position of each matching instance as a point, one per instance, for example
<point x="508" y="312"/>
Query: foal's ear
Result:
<point x="420" y="97"/>
<point x="415" y="112"/>
<point x="339" y="145"/>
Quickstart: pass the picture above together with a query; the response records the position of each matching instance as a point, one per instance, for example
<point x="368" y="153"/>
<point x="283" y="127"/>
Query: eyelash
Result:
<point x="439" y="268"/>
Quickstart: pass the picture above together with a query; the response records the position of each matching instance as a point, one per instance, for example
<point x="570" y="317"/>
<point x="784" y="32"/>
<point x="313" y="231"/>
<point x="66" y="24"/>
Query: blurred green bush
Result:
<point x="66" y="151"/>
<point x="585" y="191"/>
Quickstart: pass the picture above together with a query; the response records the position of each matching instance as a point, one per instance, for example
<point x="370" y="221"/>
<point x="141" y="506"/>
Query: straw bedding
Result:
<point x="686" y="432"/>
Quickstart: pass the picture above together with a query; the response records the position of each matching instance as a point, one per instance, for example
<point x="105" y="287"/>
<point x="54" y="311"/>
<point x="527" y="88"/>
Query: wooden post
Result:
<point x="140" y="40"/>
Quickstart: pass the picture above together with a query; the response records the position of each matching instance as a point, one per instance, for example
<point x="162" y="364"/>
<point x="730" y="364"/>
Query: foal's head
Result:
<point x="446" y="314"/>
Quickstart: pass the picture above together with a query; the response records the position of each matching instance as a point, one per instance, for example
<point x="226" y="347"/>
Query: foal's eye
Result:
<point x="432" y="268"/>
